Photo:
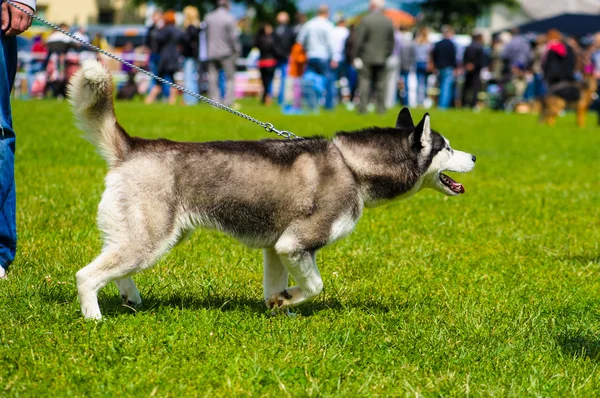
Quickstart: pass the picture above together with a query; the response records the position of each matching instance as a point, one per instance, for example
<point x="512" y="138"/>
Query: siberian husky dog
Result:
<point x="288" y="197"/>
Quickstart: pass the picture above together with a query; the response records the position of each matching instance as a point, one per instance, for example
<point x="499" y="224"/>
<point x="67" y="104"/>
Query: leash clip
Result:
<point x="269" y="127"/>
<point x="282" y="133"/>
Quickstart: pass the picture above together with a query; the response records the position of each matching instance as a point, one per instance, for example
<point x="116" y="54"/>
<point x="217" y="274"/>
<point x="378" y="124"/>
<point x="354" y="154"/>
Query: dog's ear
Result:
<point x="404" y="119"/>
<point x="421" y="138"/>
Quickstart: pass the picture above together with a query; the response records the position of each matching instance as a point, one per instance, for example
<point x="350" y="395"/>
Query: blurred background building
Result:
<point x="86" y="12"/>
<point x="562" y="14"/>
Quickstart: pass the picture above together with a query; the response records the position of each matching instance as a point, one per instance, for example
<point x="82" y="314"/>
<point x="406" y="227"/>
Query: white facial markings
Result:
<point x="447" y="159"/>
<point x="461" y="162"/>
<point x="448" y="147"/>
<point x="450" y="160"/>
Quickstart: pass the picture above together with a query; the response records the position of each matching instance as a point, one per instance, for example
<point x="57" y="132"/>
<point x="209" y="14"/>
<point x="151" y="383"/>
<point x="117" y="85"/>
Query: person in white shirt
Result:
<point x="340" y="35"/>
<point x="316" y="36"/>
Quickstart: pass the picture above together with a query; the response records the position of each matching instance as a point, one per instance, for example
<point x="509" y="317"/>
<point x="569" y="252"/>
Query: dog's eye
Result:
<point x="448" y="149"/>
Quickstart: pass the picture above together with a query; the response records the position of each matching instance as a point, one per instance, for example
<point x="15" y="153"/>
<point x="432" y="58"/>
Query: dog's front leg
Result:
<point x="275" y="276"/>
<point x="128" y="291"/>
<point x="301" y="264"/>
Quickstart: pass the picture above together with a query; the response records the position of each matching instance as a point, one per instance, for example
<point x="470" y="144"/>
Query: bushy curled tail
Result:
<point x="91" y="96"/>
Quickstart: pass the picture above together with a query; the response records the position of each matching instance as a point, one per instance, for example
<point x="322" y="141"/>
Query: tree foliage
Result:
<point x="461" y="14"/>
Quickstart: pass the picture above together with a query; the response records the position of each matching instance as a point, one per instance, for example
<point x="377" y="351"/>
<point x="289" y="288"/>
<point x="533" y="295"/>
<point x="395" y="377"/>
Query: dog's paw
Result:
<point x="133" y="300"/>
<point x="279" y="301"/>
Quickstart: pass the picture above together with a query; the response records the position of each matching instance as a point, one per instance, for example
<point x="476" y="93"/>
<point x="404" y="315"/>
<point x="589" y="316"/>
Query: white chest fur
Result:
<point x="342" y="227"/>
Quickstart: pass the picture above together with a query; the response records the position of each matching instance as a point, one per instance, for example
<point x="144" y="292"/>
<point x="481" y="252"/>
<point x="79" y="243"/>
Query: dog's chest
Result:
<point x="342" y="227"/>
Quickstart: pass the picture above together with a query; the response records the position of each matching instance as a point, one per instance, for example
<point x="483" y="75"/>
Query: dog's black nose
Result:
<point x="474" y="158"/>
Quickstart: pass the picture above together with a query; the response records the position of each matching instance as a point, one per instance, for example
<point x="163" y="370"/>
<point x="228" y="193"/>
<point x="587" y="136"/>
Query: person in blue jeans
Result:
<point x="324" y="68"/>
<point x="316" y="37"/>
<point x="14" y="22"/>
<point x="408" y="61"/>
<point x="444" y="61"/>
<point x="422" y="63"/>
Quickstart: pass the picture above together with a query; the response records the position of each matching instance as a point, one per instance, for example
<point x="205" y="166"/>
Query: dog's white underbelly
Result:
<point x="191" y="221"/>
<point x="256" y="242"/>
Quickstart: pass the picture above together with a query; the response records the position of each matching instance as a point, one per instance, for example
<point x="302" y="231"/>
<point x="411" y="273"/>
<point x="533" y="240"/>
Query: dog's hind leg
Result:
<point x="543" y="112"/>
<point x="581" y="111"/>
<point x="557" y="105"/>
<point x="275" y="277"/>
<point x="116" y="263"/>
<point x="93" y="277"/>
<point x="128" y="291"/>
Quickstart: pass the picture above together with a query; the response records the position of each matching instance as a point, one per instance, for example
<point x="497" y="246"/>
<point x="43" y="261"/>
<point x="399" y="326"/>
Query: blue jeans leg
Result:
<point x="282" y="66"/>
<point x="8" y="222"/>
<point x="421" y="82"/>
<point x="404" y="93"/>
<point x="331" y="90"/>
<point x="153" y="66"/>
<point x="190" y="67"/>
<point x="321" y="67"/>
<point x="352" y="79"/>
<point x="446" y="83"/>
<point x="222" y="83"/>
<point x="529" y="91"/>
<point x="540" y="85"/>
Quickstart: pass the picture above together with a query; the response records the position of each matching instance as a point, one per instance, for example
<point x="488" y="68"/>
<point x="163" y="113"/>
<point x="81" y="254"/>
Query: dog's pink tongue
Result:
<point x="455" y="186"/>
<point x="458" y="187"/>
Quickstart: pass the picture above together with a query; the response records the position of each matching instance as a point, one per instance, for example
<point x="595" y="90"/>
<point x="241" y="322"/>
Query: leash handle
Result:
<point x="267" y="126"/>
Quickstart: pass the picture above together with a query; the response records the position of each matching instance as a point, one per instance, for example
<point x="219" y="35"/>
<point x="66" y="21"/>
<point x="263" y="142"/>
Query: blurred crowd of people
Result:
<point x="371" y="65"/>
<point x="51" y="62"/>
<point x="382" y="63"/>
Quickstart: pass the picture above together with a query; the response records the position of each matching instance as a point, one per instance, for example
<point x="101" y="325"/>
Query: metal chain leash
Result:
<point x="267" y="126"/>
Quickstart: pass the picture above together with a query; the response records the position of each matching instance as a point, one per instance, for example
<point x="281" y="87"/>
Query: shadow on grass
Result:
<point x="113" y="306"/>
<point x="579" y="345"/>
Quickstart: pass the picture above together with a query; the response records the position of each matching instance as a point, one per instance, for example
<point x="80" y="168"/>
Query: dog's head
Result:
<point x="435" y="156"/>
<point x="395" y="163"/>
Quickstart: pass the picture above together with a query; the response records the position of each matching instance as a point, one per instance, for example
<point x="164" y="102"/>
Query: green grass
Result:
<point x="491" y="293"/>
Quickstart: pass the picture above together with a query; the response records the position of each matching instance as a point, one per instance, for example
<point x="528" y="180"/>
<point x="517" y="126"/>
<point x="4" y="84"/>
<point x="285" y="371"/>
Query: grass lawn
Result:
<point x="495" y="292"/>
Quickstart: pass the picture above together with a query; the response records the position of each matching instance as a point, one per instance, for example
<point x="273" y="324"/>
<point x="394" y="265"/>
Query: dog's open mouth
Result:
<point x="451" y="184"/>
